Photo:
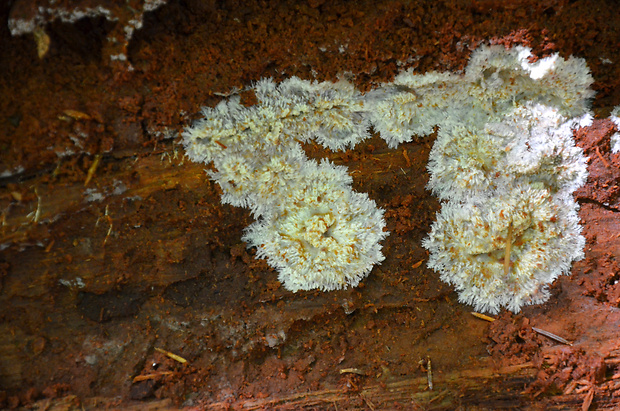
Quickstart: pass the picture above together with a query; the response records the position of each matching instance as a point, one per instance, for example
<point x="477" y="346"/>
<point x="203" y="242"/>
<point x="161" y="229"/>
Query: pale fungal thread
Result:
<point x="504" y="165"/>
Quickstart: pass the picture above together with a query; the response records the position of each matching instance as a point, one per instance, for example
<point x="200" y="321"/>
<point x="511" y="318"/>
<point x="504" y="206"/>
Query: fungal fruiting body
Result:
<point x="323" y="235"/>
<point x="504" y="166"/>
<point x="517" y="174"/>
<point x="468" y="244"/>
<point x="311" y="225"/>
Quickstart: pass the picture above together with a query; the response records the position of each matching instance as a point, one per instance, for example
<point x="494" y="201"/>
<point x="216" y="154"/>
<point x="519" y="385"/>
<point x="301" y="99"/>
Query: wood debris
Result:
<point x="171" y="355"/>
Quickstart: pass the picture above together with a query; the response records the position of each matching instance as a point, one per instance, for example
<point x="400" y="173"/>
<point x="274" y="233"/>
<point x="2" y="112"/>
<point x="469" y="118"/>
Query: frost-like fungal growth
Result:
<point x="531" y="142"/>
<point x="504" y="164"/>
<point x="468" y="244"/>
<point x="494" y="82"/>
<point x="311" y="225"/>
<point x="295" y="110"/>
<point x="323" y="234"/>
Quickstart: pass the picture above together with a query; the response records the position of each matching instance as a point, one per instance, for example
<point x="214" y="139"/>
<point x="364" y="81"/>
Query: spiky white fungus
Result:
<point x="323" y="234"/>
<point x="312" y="226"/>
<point x="531" y="142"/>
<point x="469" y="239"/>
<point x="494" y="81"/>
<point x="504" y="164"/>
<point x="504" y="147"/>
<point x="295" y="110"/>
<point x="504" y="157"/>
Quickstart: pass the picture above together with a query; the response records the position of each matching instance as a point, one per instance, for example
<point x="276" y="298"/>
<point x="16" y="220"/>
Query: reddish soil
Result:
<point x="116" y="252"/>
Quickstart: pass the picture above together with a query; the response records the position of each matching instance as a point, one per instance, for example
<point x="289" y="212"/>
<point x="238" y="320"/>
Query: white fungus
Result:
<point x="504" y="164"/>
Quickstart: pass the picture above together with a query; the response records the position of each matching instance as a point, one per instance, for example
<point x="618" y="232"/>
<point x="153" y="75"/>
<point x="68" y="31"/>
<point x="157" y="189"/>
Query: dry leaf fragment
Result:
<point x="416" y="265"/>
<point x="42" y="40"/>
<point x="77" y="115"/>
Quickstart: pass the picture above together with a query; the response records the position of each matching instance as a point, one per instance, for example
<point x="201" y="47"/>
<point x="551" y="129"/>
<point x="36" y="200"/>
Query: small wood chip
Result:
<point x="42" y="40"/>
<point x="92" y="169"/>
<point x="406" y="158"/>
<point x="416" y="265"/>
<point x="600" y="156"/>
<point x="77" y="115"/>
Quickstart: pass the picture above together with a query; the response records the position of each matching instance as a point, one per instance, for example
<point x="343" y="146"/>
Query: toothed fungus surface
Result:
<point x="311" y="225"/>
<point x="504" y="165"/>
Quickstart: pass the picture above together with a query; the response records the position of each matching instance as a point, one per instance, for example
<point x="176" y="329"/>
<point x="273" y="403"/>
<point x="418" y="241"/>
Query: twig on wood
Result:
<point x="429" y="373"/>
<point x="171" y="355"/>
<point x="406" y="158"/>
<point x="416" y="265"/>
<point x="145" y="377"/>
<point x="601" y="157"/>
<point x="483" y="317"/>
<point x="92" y="169"/>
<point x="352" y="371"/>
<point x="36" y="215"/>
<point x="552" y="336"/>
